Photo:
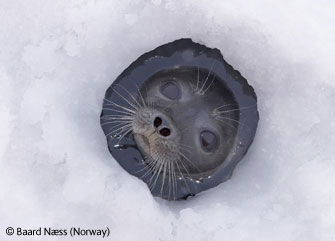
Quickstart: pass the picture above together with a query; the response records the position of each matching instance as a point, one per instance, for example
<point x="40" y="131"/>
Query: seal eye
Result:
<point x="208" y="140"/>
<point x="171" y="91"/>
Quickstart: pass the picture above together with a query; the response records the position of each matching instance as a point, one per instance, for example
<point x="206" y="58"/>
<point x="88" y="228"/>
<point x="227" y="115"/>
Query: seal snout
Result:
<point x="162" y="126"/>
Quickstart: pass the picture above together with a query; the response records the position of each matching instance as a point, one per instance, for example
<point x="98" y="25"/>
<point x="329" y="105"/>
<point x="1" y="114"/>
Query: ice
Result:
<point x="57" y="58"/>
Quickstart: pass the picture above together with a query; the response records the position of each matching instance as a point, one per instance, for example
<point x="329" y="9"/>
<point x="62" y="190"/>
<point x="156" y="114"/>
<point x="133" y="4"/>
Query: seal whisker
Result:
<point x="149" y="163"/>
<point x="150" y="104"/>
<point x="175" y="178"/>
<point x="223" y="121"/>
<point x="141" y="97"/>
<point x="121" y="125"/>
<point x="229" y="119"/>
<point x="116" y="122"/>
<point x="154" y="167"/>
<point x="123" y="135"/>
<point x="226" y="118"/>
<point x="224" y="106"/>
<point x="121" y="107"/>
<point x="169" y="178"/>
<point x="146" y="167"/>
<point x="152" y="164"/>
<point x="117" y="119"/>
<point x="117" y="115"/>
<point x="175" y="181"/>
<point x="172" y="171"/>
<point x="124" y="98"/>
<point x="135" y="100"/>
<point x="171" y="185"/>
<point x="125" y="113"/>
<point x="204" y="92"/>
<point x="147" y="172"/>
<point x="124" y="109"/>
<point x="163" y="177"/>
<point x="185" y="147"/>
<point x="119" y="130"/>
<point x="182" y="176"/>
<point x="242" y="108"/>
<point x="188" y="160"/>
<point x="183" y="165"/>
<point x="196" y="89"/>
<point x="157" y="171"/>
<point x="200" y="92"/>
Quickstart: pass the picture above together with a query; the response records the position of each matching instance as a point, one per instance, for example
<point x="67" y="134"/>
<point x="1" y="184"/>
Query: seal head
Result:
<point x="180" y="118"/>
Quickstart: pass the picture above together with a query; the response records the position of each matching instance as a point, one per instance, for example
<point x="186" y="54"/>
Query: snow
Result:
<point x="57" y="58"/>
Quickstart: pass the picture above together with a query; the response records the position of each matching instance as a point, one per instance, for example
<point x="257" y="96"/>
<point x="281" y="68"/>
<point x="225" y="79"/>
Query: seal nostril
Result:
<point x="165" y="132"/>
<point x="157" y="122"/>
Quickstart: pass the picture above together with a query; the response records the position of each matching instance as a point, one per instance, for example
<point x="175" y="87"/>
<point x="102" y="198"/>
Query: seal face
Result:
<point x="180" y="118"/>
<point x="186" y="125"/>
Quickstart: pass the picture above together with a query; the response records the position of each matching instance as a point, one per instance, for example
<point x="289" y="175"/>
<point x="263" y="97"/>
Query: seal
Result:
<point x="180" y="118"/>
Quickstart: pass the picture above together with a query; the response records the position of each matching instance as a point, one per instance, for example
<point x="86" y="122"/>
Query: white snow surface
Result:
<point x="57" y="58"/>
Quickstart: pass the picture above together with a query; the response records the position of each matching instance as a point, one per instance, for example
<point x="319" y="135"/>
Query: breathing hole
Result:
<point x="165" y="132"/>
<point x="157" y="122"/>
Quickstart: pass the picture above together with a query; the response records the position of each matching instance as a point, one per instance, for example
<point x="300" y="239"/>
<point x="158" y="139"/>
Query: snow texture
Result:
<point x="57" y="58"/>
